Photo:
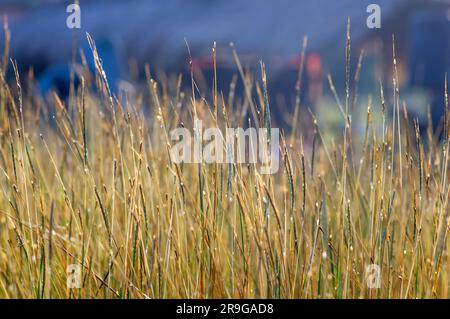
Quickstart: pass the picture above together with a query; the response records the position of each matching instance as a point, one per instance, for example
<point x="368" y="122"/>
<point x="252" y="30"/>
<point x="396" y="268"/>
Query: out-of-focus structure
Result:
<point x="156" y="32"/>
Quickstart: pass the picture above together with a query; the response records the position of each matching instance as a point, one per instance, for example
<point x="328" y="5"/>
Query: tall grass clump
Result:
<point x="89" y="181"/>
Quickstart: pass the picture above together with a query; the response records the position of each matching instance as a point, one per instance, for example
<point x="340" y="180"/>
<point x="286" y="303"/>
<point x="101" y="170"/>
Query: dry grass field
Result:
<point x="90" y="182"/>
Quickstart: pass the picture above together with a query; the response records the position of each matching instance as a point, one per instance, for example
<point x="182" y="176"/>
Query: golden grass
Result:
<point x="94" y="186"/>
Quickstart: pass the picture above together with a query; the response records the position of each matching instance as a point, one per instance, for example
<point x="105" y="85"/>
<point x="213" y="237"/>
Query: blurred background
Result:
<point x="132" y="33"/>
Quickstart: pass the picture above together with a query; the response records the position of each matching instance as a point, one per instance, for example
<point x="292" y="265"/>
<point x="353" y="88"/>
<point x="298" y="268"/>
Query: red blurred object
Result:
<point x="314" y="66"/>
<point x="203" y="63"/>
